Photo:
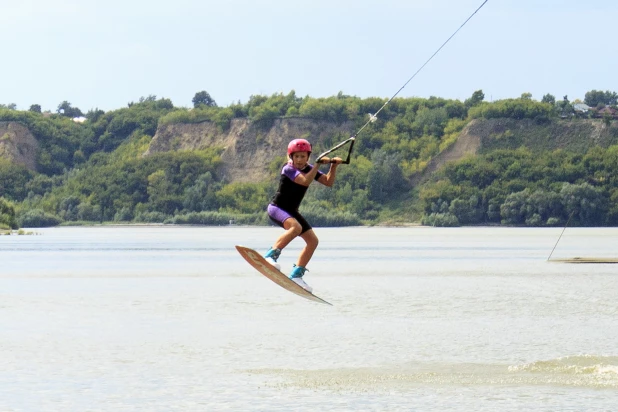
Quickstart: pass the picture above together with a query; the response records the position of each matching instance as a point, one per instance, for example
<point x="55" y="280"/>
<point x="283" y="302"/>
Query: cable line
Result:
<point x="374" y="117"/>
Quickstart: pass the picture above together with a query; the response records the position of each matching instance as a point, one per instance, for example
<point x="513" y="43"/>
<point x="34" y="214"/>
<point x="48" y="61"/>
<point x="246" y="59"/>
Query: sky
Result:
<point x="106" y="53"/>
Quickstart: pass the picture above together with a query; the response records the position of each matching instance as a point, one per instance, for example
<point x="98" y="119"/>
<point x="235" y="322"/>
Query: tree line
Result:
<point x="525" y="188"/>
<point x="93" y="171"/>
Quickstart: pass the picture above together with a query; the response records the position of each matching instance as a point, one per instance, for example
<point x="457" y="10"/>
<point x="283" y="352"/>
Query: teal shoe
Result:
<point x="297" y="277"/>
<point x="298" y="272"/>
<point x="271" y="257"/>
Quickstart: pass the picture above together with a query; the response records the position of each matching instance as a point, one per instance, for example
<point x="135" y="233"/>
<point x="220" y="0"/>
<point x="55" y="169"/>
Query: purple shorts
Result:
<point x="278" y="216"/>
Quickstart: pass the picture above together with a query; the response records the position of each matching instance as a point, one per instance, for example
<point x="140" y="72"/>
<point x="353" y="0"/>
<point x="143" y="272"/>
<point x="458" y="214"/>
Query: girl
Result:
<point x="296" y="176"/>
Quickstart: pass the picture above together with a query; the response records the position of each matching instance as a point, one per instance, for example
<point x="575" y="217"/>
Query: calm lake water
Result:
<point x="424" y="319"/>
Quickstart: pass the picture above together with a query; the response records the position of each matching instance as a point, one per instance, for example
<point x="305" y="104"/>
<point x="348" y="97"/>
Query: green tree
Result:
<point x="467" y="211"/>
<point x="476" y="99"/>
<point x="161" y="193"/>
<point x="203" y="99"/>
<point x="94" y="114"/>
<point x="594" y="98"/>
<point x="513" y="210"/>
<point x="7" y="215"/>
<point x="35" y="108"/>
<point x="202" y="195"/>
<point x="89" y="213"/>
<point x="385" y="179"/>
<point x="40" y="185"/>
<point x="65" y="109"/>
<point x="38" y="218"/>
<point x="239" y="197"/>
<point x="431" y="121"/>
<point x="564" y="107"/>
<point x="549" y="98"/>
<point x="112" y="128"/>
<point x="543" y="208"/>
<point x="13" y="180"/>
<point x="68" y="208"/>
<point x="585" y="202"/>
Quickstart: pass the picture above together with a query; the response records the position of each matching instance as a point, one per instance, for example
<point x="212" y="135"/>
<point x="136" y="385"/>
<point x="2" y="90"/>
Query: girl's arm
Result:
<point x="306" y="179"/>
<point x="329" y="178"/>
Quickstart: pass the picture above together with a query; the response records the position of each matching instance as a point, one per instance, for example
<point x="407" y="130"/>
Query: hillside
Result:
<point x="577" y="135"/>
<point x="425" y="160"/>
<point x="485" y="135"/>
<point x="248" y="146"/>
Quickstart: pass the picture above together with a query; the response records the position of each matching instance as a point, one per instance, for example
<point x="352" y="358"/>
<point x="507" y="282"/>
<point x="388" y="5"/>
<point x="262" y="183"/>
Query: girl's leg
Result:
<point x="288" y="222"/>
<point x="311" y="241"/>
<point x="292" y="229"/>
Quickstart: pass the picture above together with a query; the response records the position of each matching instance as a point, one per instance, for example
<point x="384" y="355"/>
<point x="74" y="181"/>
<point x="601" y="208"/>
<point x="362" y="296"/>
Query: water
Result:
<point x="424" y="319"/>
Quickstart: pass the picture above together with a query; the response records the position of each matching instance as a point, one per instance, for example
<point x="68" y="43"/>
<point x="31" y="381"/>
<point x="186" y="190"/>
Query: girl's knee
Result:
<point x="312" y="241"/>
<point x="316" y="242"/>
<point x="295" y="229"/>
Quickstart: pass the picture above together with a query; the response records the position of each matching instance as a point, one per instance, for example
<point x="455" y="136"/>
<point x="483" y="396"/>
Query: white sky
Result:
<point x="106" y="53"/>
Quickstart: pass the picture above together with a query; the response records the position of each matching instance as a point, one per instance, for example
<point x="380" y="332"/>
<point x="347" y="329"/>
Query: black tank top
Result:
<point x="290" y="194"/>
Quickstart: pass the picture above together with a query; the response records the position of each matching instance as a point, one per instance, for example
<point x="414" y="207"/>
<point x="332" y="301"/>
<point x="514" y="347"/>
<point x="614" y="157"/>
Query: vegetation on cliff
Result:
<point x="95" y="171"/>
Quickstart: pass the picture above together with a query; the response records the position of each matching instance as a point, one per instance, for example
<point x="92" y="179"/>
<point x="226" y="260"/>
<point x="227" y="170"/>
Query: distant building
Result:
<point x="606" y="111"/>
<point x="581" y="107"/>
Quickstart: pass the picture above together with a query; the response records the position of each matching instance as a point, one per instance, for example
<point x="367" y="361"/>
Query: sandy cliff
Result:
<point x="18" y="145"/>
<point x="248" y="147"/>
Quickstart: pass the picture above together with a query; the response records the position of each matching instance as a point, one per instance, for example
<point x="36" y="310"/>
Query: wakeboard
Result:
<point x="261" y="265"/>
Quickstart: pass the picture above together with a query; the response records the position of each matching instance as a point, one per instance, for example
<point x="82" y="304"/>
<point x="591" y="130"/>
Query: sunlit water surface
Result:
<point x="424" y="319"/>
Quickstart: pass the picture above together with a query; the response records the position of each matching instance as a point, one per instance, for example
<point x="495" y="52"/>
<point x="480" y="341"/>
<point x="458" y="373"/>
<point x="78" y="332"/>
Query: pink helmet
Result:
<point x="299" y="145"/>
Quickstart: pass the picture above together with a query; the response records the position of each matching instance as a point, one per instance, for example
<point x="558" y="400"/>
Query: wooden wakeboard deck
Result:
<point x="585" y="260"/>
<point x="261" y="265"/>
